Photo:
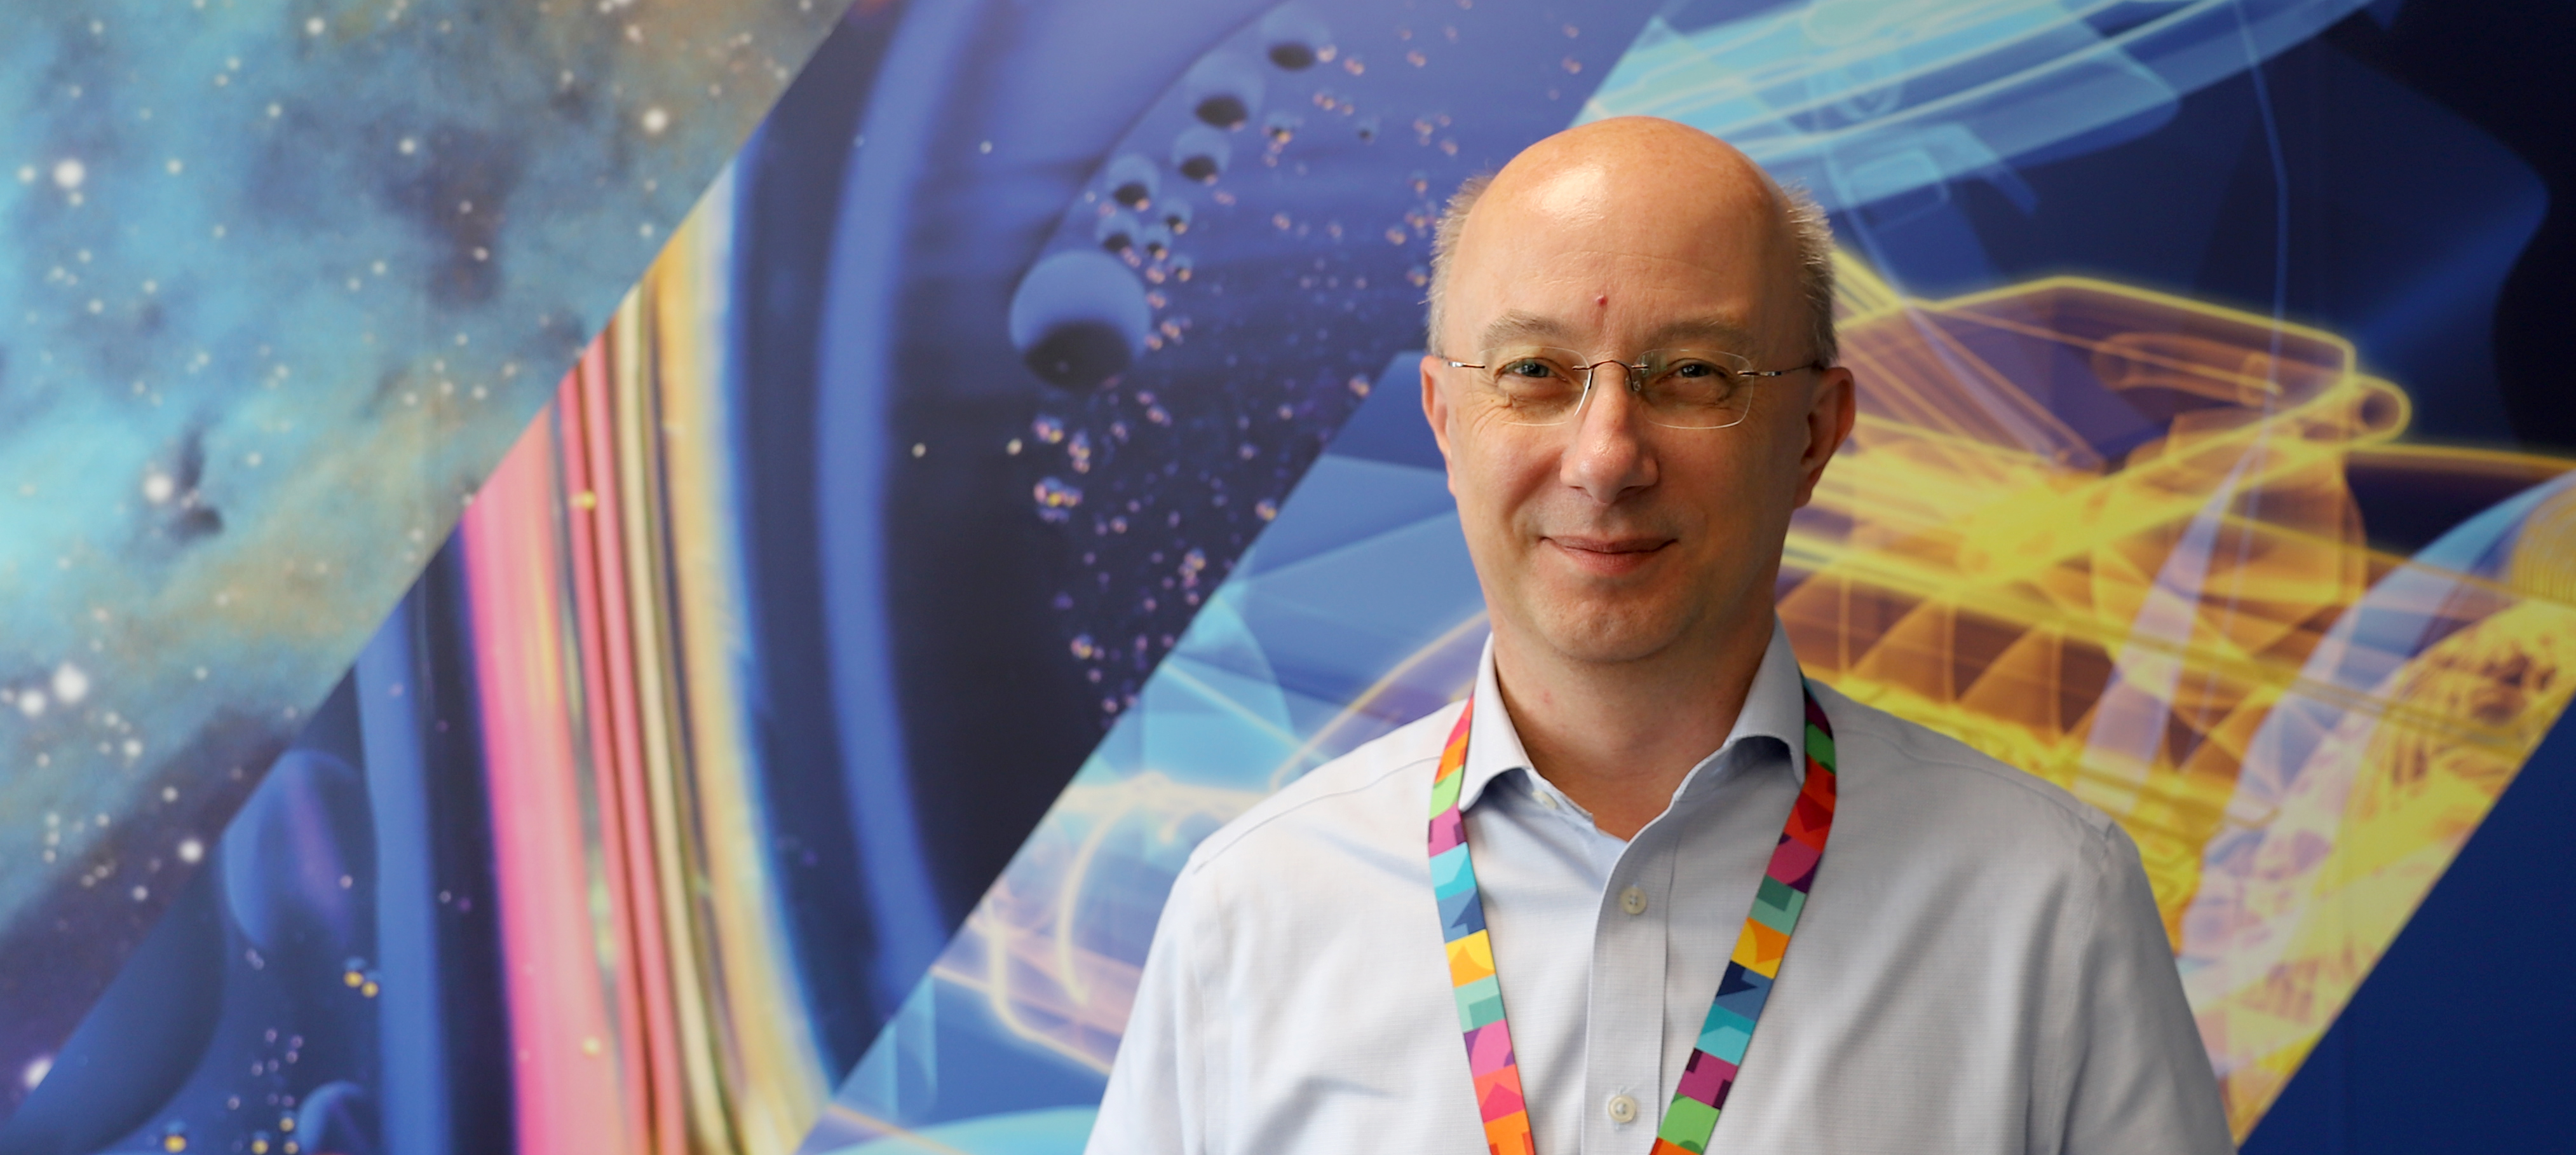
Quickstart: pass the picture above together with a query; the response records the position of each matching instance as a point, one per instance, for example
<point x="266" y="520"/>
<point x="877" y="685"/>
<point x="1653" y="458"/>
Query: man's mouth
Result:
<point x="1608" y="556"/>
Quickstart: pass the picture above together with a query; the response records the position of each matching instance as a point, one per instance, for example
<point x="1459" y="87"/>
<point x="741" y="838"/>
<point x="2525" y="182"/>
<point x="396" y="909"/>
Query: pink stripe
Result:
<point x="1705" y="1079"/>
<point x="1448" y="829"/>
<point x="621" y="774"/>
<point x="1792" y="859"/>
<point x="1489" y="1048"/>
<point x="566" y="1099"/>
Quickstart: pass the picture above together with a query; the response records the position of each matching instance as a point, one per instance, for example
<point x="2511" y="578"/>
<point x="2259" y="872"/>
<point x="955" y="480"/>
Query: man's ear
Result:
<point x="1435" y="409"/>
<point x="1831" y="410"/>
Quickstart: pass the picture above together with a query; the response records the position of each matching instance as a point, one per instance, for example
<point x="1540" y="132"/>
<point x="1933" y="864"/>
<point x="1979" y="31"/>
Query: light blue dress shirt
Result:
<point x="1980" y="966"/>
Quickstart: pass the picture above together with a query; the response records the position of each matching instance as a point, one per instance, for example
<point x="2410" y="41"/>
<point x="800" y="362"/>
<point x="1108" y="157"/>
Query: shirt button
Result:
<point x="1623" y="1109"/>
<point x="1632" y="900"/>
<point x="1547" y="800"/>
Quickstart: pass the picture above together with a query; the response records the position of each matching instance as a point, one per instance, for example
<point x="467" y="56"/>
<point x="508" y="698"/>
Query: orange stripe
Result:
<point x="1453" y="756"/>
<point x="1510" y="1135"/>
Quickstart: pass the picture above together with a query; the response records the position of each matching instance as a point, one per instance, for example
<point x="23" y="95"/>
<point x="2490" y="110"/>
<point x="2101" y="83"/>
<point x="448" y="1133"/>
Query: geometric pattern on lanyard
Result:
<point x="1750" y="971"/>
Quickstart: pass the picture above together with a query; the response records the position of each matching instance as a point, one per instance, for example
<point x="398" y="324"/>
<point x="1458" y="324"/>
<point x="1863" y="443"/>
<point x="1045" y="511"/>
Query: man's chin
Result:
<point x="1609" y="634"/>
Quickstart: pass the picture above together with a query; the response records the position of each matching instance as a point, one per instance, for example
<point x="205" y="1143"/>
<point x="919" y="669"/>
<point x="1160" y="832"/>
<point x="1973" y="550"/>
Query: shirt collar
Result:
<point x="1774" y="707"/>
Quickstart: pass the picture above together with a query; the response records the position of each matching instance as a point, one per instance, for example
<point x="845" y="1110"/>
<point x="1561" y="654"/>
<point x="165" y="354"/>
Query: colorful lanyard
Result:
<point x="1740" y="994"/>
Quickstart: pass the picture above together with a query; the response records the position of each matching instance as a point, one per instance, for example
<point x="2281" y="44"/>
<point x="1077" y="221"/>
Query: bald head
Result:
<point x="1643" y="184"/>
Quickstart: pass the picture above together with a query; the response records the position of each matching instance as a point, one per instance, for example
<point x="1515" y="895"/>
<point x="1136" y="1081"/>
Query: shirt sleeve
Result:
<point x="1154" y="1104"/>
<point x="2139" y="1079"/>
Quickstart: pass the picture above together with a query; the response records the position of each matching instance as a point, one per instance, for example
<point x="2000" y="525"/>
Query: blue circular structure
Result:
<point x="1079" y="318"/>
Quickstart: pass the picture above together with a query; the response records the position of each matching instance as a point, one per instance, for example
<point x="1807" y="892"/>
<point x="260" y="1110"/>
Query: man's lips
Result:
<point x="1607" y="556"/>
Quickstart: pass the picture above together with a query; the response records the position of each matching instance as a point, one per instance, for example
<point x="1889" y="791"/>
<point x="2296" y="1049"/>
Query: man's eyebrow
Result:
<point x="1514" y="328"/>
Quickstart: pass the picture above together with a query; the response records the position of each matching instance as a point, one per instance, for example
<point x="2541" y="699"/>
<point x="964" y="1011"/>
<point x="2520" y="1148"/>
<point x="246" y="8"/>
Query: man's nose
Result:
<point x="1610" y="455"/>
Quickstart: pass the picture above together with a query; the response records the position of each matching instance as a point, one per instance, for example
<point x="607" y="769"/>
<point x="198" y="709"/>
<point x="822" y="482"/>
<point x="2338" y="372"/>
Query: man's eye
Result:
<point x="1694" y="370"/>
<point x="1534" y="370"/>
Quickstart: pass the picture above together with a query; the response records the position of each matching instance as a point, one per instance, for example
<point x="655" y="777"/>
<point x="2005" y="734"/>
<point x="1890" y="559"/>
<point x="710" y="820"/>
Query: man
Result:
<point x="1632" y="381"/>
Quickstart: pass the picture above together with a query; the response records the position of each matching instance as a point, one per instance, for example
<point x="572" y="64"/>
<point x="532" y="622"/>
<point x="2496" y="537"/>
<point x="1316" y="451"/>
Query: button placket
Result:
<point x="1624" y="1031"/>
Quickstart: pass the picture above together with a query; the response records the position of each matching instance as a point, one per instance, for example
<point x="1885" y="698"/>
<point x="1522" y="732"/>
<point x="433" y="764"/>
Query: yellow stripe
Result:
<point x="770" y="1067"/>
<point x="1471" y="958"/>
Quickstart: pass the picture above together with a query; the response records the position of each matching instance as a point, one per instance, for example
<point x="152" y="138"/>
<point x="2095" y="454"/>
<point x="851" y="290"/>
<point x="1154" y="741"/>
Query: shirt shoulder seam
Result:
<point x="1224" y="841"/>
<point x="1907" y="742"/>
<point x="2090" y="816"/>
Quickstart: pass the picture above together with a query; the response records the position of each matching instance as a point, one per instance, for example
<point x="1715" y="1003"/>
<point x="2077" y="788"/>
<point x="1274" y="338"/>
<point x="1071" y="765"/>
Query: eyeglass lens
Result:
<point x="1679" y="388"/>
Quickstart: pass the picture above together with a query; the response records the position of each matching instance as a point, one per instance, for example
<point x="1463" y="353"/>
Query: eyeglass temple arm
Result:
<point x="1818" y="366"/>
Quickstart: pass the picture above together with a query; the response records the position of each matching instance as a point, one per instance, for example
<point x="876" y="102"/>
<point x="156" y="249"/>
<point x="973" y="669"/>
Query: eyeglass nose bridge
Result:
<point x="1633" y="373"/>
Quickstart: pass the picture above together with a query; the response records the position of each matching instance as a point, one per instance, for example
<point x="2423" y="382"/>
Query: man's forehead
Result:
<point x="1537" y="277"/>
<point x="1707" y="330"/>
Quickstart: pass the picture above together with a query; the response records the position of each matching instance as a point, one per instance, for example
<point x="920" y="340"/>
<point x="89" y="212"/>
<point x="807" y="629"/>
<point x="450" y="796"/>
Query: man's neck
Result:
<point x="1618" y="738"/>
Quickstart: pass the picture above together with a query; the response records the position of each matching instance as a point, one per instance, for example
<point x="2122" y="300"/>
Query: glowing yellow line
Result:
<point x="2179" y="304"/>
<point x="2547" y="467"/>
<point x="1069" y="895"/>
<point x="1000" y="1004"/>
<point x="1175" y="671"/>
<point x="891" y="1131"/>
<point x="1127" y="796"/>
<point x="1866" y="294"/>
